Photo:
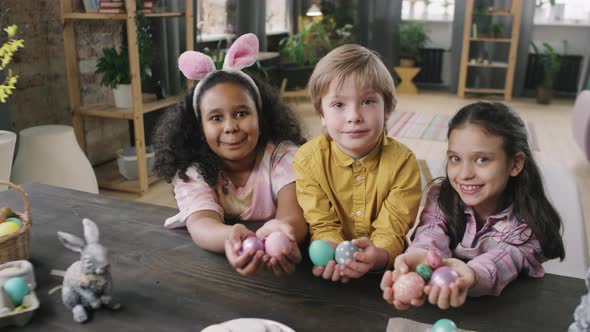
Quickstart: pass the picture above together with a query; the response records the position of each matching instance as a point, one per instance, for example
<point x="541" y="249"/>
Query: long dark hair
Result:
<point x="525" y="191"/>
<point x="179" y="141"/>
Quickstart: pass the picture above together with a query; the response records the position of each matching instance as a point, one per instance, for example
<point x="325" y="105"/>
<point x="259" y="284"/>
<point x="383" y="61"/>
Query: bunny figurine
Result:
<point x="87" y="282"/>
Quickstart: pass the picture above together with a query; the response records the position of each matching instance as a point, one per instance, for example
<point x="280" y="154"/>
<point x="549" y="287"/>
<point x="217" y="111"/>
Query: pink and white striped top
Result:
<point x="256" y="200"/>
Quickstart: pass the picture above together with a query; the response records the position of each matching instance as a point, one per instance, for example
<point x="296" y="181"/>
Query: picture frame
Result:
<point x="91" y="6"/>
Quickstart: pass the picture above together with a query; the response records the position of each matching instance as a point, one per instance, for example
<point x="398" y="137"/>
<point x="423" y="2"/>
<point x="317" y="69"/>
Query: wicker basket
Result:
<point x="16" y="245"/>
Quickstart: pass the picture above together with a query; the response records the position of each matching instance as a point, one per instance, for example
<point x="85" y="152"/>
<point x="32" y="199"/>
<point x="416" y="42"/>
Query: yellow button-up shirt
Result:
<point x="342" y="198"/>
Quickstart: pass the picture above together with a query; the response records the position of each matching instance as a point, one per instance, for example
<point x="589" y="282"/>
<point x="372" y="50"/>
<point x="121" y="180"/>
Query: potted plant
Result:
<point x="114" y="65"/>
<point x="300" y="53"/>
<point x="551" y="64"/>
<point x="412" y="37"/>
<point x="497" y="30"/>
<point x="8" y="81"/>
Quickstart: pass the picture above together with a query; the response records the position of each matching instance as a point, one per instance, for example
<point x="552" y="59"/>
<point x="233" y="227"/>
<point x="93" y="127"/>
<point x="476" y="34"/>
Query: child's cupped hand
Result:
<point x="363" y="262"/>
<point x="284" y="263"/>
<point x="249" y="263"/>
<point x="455" y="294"/>
<point x="403" y="264"/>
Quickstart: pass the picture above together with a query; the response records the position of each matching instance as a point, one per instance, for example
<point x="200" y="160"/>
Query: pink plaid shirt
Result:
<point x="502" y="249"/>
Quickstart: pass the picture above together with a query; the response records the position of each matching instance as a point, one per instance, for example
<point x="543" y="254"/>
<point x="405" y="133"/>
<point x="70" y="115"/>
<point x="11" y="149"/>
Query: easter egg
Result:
<point x="407" y="287"/>
<point x="444" y="325"/>
<point x="321" y="252"/>
<point x="251" y="242"/>
<point x="424" y="271"/>
<point x="345" y="251"/>
<point x="7" y="212"/>
<point x="16" y="288"/>
<point x="276" y="242"/>
<point x="15" y="220"/>
<point x="7" y="228"/>
<point x="443" y="276"/>
<point x="433" y="259"/>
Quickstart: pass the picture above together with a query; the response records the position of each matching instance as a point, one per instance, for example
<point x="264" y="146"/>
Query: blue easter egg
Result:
<point x="16" y="288"/>
<point x="444" y="325"/>
<point x="321" y="252"/>
<point x="15" y="220"/>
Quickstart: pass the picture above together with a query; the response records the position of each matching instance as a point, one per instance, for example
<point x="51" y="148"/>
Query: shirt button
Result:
<point x="358" y="213"/>
<point x="358" y="177"/>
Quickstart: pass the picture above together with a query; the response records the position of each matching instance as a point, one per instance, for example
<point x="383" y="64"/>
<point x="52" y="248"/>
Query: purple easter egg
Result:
<point x="443" y="276"/>
<point x="276" y="242"/>
<point x="433" y="259"/>
<point x="251" y="242"/>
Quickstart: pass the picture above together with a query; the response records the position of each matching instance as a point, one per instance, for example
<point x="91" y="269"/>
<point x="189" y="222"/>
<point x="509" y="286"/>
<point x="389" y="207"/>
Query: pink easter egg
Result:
<point x="407" y="287"/>
<point x="433" y="259"/>
<point x="276" y="242"/>
<point x="251" y="242"/>
<point x="443" y="276"/>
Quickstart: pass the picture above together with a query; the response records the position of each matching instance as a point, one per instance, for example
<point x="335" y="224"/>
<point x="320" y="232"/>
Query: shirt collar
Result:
<point x="369" y="161"/>
<point x="506" y="213"/>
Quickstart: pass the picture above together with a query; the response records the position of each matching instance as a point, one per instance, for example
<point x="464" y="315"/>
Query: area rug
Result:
<point x="433" y="126"/>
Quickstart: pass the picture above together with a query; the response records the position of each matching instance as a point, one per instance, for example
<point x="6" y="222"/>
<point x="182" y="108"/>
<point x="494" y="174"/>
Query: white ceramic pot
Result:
<point x="7" y="144"/>
<point x="122" y="95"/>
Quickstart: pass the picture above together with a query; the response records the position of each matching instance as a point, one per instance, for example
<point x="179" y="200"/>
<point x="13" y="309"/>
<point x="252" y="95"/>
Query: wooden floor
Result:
<point x="552" y="125"/>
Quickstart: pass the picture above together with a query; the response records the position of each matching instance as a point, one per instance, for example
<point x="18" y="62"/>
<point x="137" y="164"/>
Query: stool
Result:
<point x="51" y="155"/>
<point x="407" y="74"/>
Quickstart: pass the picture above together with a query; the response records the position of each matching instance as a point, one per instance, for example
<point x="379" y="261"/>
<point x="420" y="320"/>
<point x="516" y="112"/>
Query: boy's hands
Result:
<point x="364" y="260"/>
<point x="283" y="264"/>
<point x="455" y="294"/>
<point x="250" y="262"/>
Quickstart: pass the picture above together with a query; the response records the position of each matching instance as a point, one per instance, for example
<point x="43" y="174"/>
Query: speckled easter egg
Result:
<point x="16" y="288"/>
<point x="443" y="276"/>
<point x="407" y="287"/>
<point x="276" y="242"/>
<point x="321" y="252"/>
<point x="433" y="259"/>
<point x="444" y="325"/>
<point x="345" y="251"/>
<point x="251" y="242"/>
<point x="424" y="271"/>
<point x="15" y="220"/>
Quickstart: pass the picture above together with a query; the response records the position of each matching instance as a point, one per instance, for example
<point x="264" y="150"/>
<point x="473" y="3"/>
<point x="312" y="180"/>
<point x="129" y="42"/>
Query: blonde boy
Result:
<point x="354" y="182"/>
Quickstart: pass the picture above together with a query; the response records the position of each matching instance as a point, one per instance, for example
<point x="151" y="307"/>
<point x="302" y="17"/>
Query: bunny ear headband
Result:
<point x="198" y="66"/>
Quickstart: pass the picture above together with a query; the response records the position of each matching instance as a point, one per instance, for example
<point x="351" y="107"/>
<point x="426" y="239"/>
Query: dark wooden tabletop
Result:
<point x="167" y="283"/>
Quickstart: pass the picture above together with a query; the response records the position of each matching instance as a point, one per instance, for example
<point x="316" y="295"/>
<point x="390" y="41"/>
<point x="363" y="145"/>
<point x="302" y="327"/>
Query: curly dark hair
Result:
<point x="179" y="141"/>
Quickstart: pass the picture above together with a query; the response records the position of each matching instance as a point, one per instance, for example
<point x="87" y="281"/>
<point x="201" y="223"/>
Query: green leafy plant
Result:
<point x="308" y="45"/>
<point x="114" y="65"/>
<point x="497" y="30"/>
<point x="7" y="51"/>
<point x="551" y="64"/>
<point x="412" y="37"/>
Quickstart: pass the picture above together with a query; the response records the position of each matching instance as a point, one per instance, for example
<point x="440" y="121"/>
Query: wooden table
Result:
<point x="406" y="75"/>
<point x="168" y="284"/>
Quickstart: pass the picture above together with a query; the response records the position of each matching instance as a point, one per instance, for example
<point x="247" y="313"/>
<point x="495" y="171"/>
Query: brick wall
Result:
<point x="41" y="94"/>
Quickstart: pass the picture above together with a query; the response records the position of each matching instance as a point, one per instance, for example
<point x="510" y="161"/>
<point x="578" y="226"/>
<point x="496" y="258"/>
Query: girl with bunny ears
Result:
<point x="228" y="152"/>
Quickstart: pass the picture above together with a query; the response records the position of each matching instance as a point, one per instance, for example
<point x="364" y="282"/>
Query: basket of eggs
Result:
<point x="15" y="229"/>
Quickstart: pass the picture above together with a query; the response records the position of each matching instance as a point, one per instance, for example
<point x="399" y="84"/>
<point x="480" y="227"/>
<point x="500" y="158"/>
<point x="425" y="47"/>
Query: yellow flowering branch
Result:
<point x="6" y="52"/>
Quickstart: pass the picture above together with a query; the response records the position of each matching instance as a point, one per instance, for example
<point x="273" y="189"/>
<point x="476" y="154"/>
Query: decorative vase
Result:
<point x="7" y="144"/>
<point x="544" y="95"/>
<point x="123" y="97"/>
<point x="403" y="62"/>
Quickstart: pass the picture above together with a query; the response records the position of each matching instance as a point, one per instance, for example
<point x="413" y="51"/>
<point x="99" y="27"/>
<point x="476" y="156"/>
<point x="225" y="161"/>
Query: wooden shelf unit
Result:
<point x="509" y="67"/>
<point x="110" y="180"/>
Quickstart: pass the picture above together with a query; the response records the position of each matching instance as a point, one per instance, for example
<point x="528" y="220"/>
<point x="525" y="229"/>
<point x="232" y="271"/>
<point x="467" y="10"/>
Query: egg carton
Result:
<point x="20" y="317"/>
<point x="8" y="315"/>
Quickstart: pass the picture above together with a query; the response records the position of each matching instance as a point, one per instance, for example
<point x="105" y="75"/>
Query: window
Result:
<point x="429" y="10"/>
<point x="213" y="21"/>
<point x="277" y="18"/>
<point x="564" y="10"/>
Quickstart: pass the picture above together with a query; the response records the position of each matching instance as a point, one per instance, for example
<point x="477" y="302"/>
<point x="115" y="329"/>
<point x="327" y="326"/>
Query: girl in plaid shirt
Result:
<point x="489" y="218"/>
